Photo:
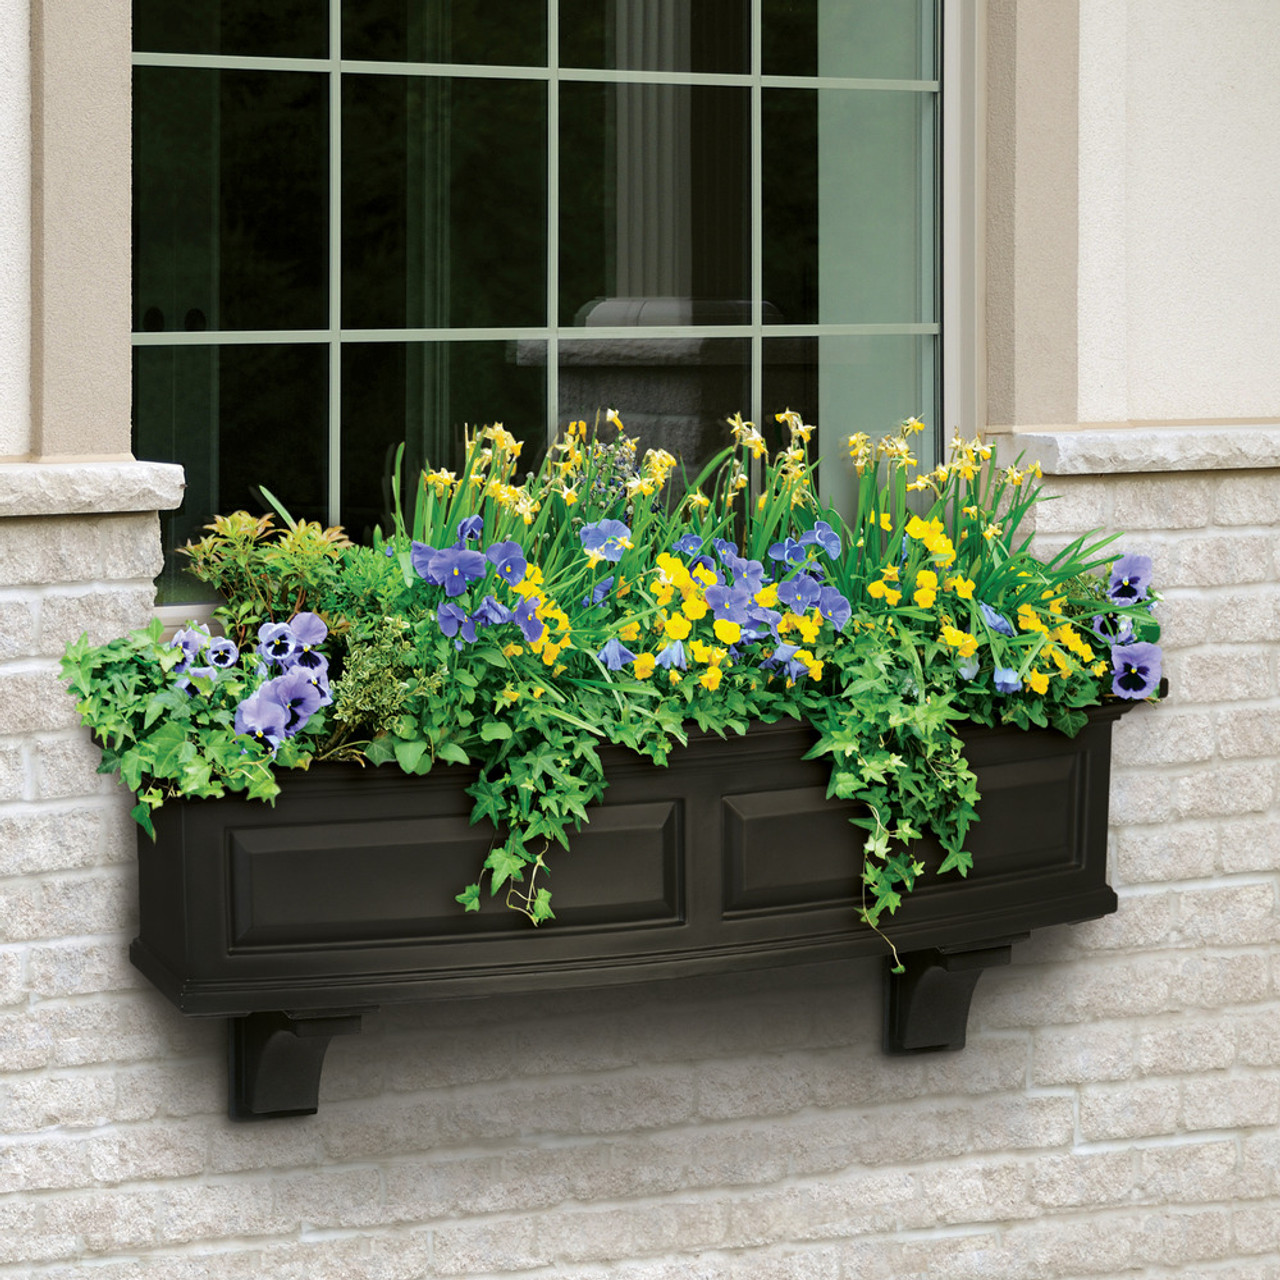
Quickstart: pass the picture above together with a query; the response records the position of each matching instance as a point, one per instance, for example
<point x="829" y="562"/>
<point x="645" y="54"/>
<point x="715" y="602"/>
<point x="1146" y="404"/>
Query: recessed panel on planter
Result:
<point x="625" y="867"/>
<point x="789" y="848"/>
<point x="1030" y="815"/>
<point x="384" y="879"/>
<point x="351" y="881"/>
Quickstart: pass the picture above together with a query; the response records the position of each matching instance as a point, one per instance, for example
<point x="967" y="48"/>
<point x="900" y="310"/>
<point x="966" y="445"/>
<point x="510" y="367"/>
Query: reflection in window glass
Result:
<point x="235" y="417"/>
<point x="503" y="33"/>
<point x="443" y="202"/>
<point x="259" y="28"/>
<point x="657" y="35"/>
<point x="864" y="39"/>
<point x="674" y="393"/>
<point x="423" y="394"/>
<point x="654" y="206"/>
<point x="838" y="248"/>
<point x="231" y="172"/>
<point x="849" y="384"/>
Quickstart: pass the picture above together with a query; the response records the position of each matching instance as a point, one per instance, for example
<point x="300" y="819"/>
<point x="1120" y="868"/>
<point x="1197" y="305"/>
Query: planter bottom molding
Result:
<point x="294" y="921"/>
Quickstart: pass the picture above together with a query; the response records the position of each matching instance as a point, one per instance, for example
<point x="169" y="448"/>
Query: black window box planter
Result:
<point x="296" y="919"/>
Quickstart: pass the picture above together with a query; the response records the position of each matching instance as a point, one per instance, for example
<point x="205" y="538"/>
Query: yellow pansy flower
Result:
<point x="727" y="631"/>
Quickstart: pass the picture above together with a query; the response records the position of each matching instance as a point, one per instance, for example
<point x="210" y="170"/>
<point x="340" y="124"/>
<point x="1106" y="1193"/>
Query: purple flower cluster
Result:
<point x="203" y="655"/>
<point x="283" y="705"/>
<point x="738" y="581"/>
<point x="1135" y="665"/>
<point x="455" y="568"/>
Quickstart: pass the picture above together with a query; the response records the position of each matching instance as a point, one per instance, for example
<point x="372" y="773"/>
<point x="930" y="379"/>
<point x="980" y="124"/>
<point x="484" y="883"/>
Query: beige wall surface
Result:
<point x="1179" y="204"/>
<point x="15" y="229"/>
<point x="80" y="87"/>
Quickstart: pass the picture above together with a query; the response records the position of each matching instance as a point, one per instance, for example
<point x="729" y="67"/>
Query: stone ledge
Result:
<point x="1120" y="450"/>
<point x="88" y="488"/>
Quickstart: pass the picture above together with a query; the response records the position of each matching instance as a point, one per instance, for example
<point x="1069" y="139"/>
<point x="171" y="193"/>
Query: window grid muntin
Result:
<point x="755" y="81"/>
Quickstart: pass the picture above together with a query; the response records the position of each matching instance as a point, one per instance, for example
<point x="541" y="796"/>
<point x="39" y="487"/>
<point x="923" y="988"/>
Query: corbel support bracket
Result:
<point x="926" y="1007"/>
<point x="274" y="1060"/>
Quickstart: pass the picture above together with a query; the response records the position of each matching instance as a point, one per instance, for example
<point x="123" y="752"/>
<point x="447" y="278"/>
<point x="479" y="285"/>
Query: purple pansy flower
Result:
<point x="492" y="612"/>
<point x="471" y="527"/>
<point x="309" y="631"/>
<point x="262" y="718"/>
<point x="606" y="538"/>
<point x="783" y="658"/>
<point x="190" y="640"/>
<point x="1113" y="628"/>
<point x="526" y="616"/>
<point x="186" y="674"/>
<point x="297" y="695"/>
<point x="223" y="653"/>
<point x="746" y="573"/>
<point x="825" y="536"/>
<point x="454" y="567"/>
<point x="689" y="545"/>
<point x="508" y="559"/>
<point x="1006" y="680"/>
<point x="1130" y="578"/>
<point x="729" y="603"/>
<point x="800" y="593"/>
<point x="1136" y="669"/>
<point x="598" y="592"/>
<point x="420" y="557"/>
<point x="453" y="620"/>
<point x="834" y="607"/>
<point x="995" y="621"/>
<point x="672" y="655"/>
<point x="277" y="643"/>
<point x="615" y="655"/>
<point x="787" y="550"/>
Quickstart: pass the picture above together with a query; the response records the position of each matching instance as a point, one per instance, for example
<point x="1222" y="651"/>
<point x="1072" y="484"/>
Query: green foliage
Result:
<point x="514" y="626"/>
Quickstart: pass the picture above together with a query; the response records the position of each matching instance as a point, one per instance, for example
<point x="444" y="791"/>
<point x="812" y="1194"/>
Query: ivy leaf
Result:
<point x="453" y="753"/>
<point x="505" y="865"/>
<point x="470" y="898"/>
<point x="164" y="748"/>
<point x="409" y="754"/>
<point x="495" y="731"/>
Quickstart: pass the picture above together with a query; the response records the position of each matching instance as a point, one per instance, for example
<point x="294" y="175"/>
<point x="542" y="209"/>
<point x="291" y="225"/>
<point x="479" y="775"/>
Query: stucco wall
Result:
<point x="1179" y="260"/>
<point x="15" y="220"/>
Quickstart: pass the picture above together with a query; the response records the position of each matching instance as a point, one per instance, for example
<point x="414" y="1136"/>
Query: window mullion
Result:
<point x="335" y="264"/>
<point x="553" y="218"/>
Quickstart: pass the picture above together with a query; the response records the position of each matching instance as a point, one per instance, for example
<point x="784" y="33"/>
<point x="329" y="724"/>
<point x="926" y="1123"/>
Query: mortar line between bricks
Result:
<point x="1190" y="1138"/>
<point x="1235" y="880"/>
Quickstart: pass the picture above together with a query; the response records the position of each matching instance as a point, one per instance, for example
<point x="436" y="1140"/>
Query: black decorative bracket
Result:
<point x="926" y="1006"/>
<point x="274" y="1060"/>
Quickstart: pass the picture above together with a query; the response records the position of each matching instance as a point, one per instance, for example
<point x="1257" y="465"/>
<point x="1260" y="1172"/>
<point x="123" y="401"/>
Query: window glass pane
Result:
<point x="423" y="394"/>
<point x="231" y="172"/>
<point x="867" y="39"/>
<point x="843" y="385"/>
<point x="657" y="35"/>
<point x="235" y="417"/>
<point x="498" y="32"/>
<point x="849" y="206"/>
<point x="654" y="208"/>
<point x="674" y="393"/>
<point x="443" y="202"/>
<point x="260" y="28"/>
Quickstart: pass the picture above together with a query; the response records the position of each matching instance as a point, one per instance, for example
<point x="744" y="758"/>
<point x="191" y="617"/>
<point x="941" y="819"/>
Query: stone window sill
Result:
<point x="88" y="488"/>
<point x="1124" y="449"/>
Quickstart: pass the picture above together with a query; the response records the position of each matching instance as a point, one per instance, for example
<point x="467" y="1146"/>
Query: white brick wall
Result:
<point x="1116" y="1112"/>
